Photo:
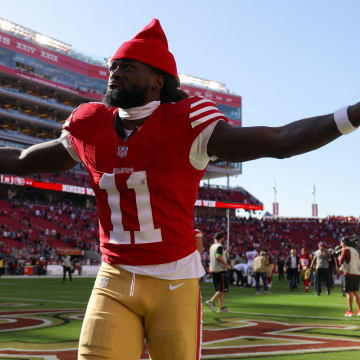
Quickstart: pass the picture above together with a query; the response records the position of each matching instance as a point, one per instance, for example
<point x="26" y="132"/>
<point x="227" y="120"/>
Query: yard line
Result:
<point x="16" y="356"/>
<point x="290" y="316"/>
<point x="50" y="300"/>
<point x="7" y="283"/>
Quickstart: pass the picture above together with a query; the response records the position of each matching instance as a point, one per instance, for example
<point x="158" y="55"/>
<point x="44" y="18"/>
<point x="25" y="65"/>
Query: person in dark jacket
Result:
<point x="292" y="266"/>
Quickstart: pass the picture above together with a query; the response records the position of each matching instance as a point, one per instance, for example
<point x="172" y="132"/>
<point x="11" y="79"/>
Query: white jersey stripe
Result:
<point x="202" y="110"/>
<point x="206" y="118"/>
<point x="201" y="102"/>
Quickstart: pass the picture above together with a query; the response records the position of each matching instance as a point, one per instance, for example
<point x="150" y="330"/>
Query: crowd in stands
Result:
<point x="276" y="235"/>
<point x="77" y="178"/>
<point x="218" y="193"/>
<point x="34" y="226"/>
<point x="35" y="231"/>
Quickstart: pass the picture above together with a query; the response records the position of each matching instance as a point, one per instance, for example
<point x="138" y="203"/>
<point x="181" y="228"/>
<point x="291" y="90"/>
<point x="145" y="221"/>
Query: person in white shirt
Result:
<point x="66" y="263"/>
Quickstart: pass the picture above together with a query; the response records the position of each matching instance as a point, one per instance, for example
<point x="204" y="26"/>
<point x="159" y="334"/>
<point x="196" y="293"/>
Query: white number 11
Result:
<point x="147" y="233"/>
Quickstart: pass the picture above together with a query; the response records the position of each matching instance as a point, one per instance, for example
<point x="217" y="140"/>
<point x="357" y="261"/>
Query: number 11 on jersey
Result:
<point x="147" y="233"/>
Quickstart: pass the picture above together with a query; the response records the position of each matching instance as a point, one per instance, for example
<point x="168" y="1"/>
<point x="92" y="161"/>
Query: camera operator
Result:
<point x="350" y="266"/>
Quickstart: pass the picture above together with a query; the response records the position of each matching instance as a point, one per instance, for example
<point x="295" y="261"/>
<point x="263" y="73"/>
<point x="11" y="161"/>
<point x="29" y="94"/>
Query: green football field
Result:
<point x="41" y="319"/>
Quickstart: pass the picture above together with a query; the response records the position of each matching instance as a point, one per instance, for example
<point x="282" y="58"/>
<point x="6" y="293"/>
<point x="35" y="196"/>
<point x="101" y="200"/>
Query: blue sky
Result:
<point x="287" y="59"/>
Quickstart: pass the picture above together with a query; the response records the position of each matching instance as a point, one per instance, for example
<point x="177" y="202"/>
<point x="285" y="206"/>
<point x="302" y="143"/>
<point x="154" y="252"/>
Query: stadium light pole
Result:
<point x="228" y="228"/>
<point x="315" y="212"/>
<point x="314" y="193"/>
<point x="275" y="203"/>
<point x="275" y="191"/>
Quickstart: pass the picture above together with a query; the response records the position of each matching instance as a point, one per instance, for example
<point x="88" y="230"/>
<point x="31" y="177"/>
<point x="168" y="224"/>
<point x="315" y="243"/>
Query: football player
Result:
<point x="146" y="148"/>
<point x="304" y="267"/>
<point x="250" y="255"/>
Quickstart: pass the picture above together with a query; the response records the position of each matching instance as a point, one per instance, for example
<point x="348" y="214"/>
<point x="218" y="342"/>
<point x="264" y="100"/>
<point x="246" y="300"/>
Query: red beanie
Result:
<point x="149" y="46"/>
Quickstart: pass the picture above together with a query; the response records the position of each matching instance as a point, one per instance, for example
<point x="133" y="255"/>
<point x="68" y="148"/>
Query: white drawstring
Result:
<point x="132" y="287"/>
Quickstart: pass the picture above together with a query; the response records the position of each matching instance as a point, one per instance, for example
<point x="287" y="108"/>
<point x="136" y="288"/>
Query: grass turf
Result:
<point x="281" y="305"/>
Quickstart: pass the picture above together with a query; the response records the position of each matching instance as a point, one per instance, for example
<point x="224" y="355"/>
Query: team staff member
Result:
<point x="350" y="266"/>
<point x="320" y="263"/>
<point x="292" y="266"/>
<point x="146" y="148"/>
<point x="66" y="263"/>
<point x="218" y="270"/>
<point x="261" y="263"/>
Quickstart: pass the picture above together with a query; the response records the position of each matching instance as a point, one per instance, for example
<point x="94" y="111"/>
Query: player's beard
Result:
<point x="126" y="99"/>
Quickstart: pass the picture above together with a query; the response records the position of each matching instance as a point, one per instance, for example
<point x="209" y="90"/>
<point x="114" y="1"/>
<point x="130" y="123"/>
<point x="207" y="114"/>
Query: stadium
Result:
<point x="45" y="217"/>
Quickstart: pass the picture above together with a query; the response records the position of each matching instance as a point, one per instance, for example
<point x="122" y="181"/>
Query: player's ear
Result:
<point x="158" y="82"/>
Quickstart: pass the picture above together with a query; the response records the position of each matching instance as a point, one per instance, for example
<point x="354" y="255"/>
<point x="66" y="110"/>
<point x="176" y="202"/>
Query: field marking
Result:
<point x="287" y="343"/>
<point x="49" y="300"/>
<point x="6" y="283"/>
<point x="233" y="312"/>
<point x="37" y="351"/>
<point x="280" y="352"/>
<point x="44" y="323"/>
<point x="293" y="316"/>
<point x="45" y="357"/>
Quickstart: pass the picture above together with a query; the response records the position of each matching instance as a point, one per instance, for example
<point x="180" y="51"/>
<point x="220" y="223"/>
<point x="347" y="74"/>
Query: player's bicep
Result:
<point x="47" y="157"/>
<point x="234" y="143"/>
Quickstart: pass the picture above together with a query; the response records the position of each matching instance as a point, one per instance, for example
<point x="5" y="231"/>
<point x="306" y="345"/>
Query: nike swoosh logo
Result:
<point x="173" y="287"/>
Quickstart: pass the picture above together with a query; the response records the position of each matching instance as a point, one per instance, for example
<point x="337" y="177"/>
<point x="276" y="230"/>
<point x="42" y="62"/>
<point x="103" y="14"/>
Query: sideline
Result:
<point x="294" y="316"/>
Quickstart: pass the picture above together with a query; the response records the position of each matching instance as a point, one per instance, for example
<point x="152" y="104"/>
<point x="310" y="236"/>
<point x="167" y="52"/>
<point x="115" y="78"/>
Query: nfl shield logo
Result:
<point x="122" y="151"/>
<point x="104" y="282"/>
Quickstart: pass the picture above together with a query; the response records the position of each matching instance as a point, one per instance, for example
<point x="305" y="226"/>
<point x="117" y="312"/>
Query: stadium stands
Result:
<point x="38" y="94"/>
<point x="37" y="229"/>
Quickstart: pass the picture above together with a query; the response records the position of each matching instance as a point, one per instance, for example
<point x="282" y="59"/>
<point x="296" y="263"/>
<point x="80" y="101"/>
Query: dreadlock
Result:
<point x="171" y="91"/>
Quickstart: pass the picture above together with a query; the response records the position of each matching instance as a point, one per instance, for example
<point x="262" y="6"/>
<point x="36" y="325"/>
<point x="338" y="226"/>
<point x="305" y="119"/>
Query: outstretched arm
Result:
<point x="46" y="157"/>
<point x="242" y="144"/>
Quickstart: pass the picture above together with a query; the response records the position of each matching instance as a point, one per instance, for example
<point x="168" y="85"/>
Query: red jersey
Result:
<point x="145" y="187"/>
<point x="305" y="261"/>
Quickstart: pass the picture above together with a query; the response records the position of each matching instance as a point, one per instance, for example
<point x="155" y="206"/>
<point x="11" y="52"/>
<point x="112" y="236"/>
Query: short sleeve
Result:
<point x="220" y="251"/>
<point x="204" y="111"/>
<point x="64" y="138"/>
<point x="198" y="156"/>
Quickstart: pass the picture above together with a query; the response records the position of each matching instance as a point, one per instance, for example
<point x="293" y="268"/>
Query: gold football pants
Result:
<point x="125" y="309"/>
<point x="305" y="273"/>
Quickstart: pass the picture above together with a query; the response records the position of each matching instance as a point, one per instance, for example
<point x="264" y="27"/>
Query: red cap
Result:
<point x="149" y="46"/>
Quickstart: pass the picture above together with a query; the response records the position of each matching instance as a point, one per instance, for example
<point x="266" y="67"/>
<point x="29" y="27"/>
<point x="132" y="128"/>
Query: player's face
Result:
<point x="130" y="84"/>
